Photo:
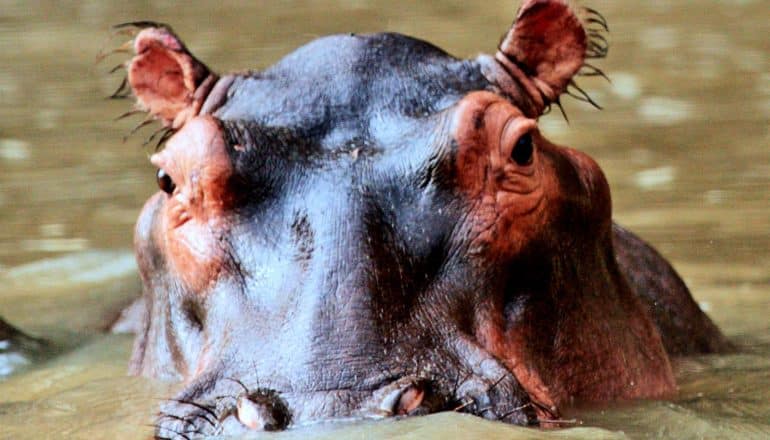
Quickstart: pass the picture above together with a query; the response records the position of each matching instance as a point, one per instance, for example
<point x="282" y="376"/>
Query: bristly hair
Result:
<point x="595" y="26"/>
<point x="597" y="47"/>
<point x="162" y="134"/>
<point x="124" y="91"/>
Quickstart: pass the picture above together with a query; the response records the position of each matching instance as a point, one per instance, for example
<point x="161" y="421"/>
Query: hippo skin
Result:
<point x="374" y="228"/>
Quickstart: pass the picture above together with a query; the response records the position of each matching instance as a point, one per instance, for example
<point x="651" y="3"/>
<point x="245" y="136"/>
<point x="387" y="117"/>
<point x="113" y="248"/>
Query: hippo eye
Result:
<point x="164" y="182"/>
<point x="522" y="151"/>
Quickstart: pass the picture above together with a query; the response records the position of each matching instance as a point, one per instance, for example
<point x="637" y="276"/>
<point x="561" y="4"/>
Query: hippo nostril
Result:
<point x="410" y="400"/>
<point x="262" y="411"/>
<point x="523" y="150"/>
<point x="164" y="182"/>
<point x="403" y="400"/>
<point x="253" y="415"/>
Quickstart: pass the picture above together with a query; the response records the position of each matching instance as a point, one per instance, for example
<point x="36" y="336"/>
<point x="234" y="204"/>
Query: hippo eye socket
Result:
<point x="522" y="151"/>
<point x="164" y="182"/>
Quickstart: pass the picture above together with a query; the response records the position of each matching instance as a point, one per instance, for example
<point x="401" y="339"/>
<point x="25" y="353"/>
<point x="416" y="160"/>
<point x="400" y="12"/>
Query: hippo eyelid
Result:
<point x="166" y="170"/>
<point x="515" y="129"/>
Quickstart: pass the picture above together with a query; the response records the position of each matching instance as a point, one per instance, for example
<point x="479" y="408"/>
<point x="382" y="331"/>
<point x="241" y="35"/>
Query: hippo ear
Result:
<point x="167" y="80"/>
<point x="547" y="46"/>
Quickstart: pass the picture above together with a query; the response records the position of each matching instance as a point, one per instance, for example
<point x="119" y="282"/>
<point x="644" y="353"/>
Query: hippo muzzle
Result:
<point x="373" y="228"/>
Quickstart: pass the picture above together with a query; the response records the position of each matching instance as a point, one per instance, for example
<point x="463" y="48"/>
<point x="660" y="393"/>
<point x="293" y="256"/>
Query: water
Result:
<point x="683" y="139"/>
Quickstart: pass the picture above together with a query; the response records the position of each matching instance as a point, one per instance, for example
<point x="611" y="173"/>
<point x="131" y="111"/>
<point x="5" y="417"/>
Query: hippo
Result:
<point x="374" y="228"/>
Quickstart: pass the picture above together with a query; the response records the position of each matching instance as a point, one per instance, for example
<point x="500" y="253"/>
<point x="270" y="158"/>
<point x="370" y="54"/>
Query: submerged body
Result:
<point x="374" y="228"/>
<point x="16" y="349"/>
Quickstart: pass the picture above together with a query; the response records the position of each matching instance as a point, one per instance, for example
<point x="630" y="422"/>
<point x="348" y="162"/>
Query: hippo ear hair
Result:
<point x="168" y="82"/>
<point x="548" y="45"/>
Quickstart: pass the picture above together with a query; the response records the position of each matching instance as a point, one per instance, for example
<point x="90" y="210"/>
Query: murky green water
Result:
<point x="684" y="141"/>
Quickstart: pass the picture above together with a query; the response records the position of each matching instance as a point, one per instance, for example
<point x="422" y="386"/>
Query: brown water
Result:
<point x="684" y="141"/>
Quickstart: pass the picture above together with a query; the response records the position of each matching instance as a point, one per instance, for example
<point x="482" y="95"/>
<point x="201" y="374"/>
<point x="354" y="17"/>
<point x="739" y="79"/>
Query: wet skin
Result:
<point x="374" y="228"/>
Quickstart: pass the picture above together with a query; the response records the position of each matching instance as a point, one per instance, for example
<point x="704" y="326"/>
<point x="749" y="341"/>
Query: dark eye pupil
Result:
<point x="522" y="151"/>
<point x="165" y="183"/>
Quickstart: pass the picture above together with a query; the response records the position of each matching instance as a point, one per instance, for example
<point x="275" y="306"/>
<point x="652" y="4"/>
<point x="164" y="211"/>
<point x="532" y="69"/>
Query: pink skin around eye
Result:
<point x="193" y="215"/>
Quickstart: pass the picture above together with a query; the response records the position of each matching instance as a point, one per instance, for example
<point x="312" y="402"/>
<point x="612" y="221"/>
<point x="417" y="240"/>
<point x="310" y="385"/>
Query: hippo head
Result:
<point x="372" y="227"/>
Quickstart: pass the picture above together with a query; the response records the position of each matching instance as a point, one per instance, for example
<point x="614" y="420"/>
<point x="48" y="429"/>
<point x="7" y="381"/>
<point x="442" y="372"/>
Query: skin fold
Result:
<point x="374" y="228"/>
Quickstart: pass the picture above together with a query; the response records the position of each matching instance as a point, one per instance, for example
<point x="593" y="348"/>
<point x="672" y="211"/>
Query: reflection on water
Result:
<point x="683" y="139"/>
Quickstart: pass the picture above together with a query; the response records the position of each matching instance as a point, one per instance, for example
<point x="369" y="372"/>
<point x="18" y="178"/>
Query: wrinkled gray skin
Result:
<point x="351" y="275"/>
<point x="342" y="257"/>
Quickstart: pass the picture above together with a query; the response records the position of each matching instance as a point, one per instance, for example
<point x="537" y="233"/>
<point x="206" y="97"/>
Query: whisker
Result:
<point x="599" y="45"/>
<point x="126" y="47"/>
<point x="116" y="68"/>
<point x="170" y="132"/>
<point x="592" y="20"/>
<point x="131" y="32"/>
<point x="593" y="71"/>
<point x="463" y="405"/>
<point x="561" y="108"/>
<point x="593" y="54"/>
<point x="224" y="396"/>
<point x="154" y="134"/>
<point x="462" y="379"/>
<point x="518" y="408"/>
<point x="138" y="127"/>
<point x="583" y="94"/>
<point x="581" y="98"/>
<point x="543" y="407"/>
<point x="560" y="421"/>
<point x="183" y="434"/>
<point x="595" y="51"/>
<point x="127" y="114"/>
<point x="141" y="24"/>
<point x="245" y="389"/>
<point x="593" y="14"/>
<point x="494" y="385"/>
<point x="197" y="405"/>
<point x="598" y="36"/>
<point x="594" y="29"/>
<point x="121" y="87"/>
<point x="117" y="94"/>
<point x="186" y="420"/>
